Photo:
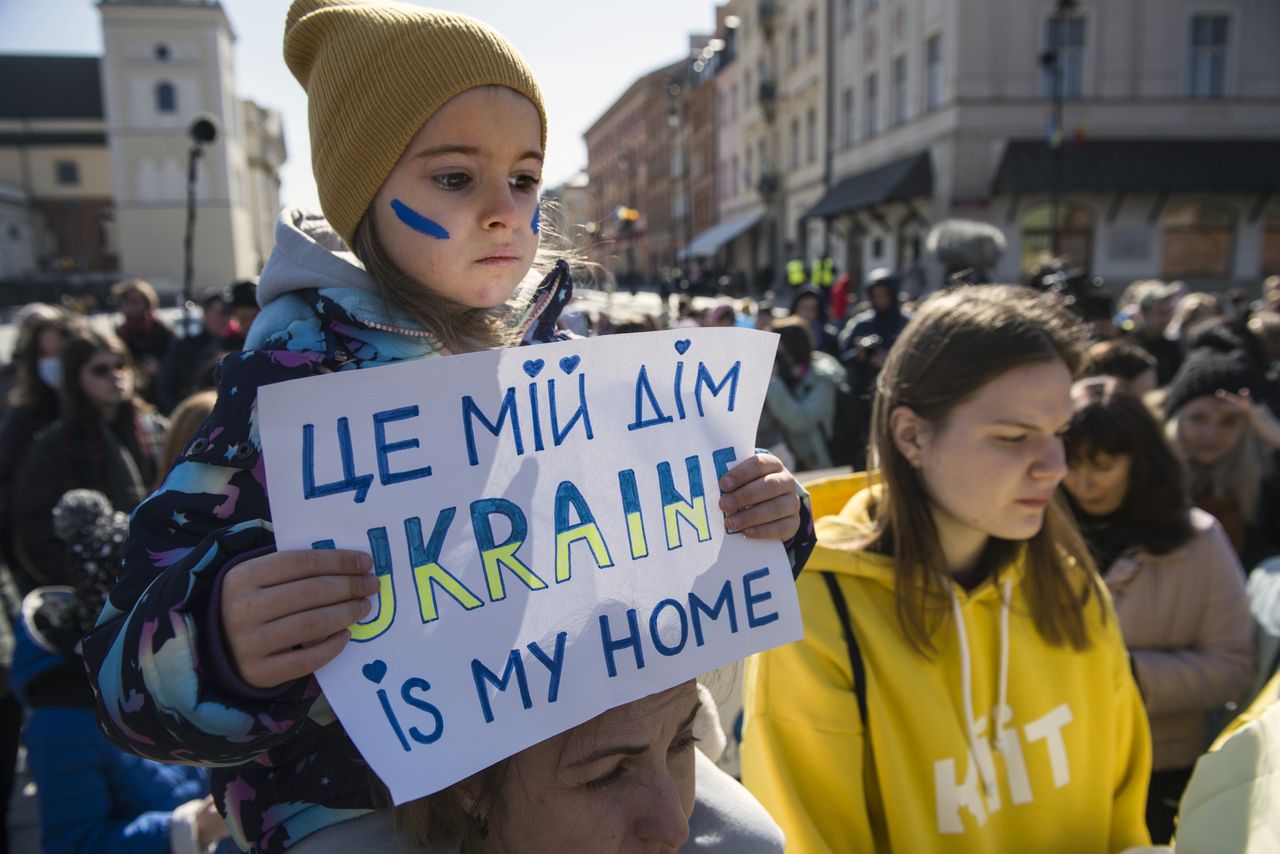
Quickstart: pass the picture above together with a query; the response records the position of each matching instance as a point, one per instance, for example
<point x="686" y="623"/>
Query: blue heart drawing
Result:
<point x="533" y="367"/>
<point x="374" y="671"/>
<point x="569" y="364"/>
<point x="683" y="345"/>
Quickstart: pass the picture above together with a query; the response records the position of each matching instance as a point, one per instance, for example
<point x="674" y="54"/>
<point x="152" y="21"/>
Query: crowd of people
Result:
<point x="1039" y="577"/>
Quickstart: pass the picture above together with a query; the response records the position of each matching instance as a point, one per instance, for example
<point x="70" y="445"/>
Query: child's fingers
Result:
<point x="308" y="594"/>
<point x="752" y="468"/>
<point x="310" y="627"/>
<point x="781" y="529"/>
<point x="760" y="490"/>
<point x="283" y="567"/>
<point x="297" y="663"/>
<point x="760" y="519"/>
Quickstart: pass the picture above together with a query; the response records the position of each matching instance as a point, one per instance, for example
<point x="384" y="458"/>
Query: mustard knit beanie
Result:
<point x="374" y="72"/>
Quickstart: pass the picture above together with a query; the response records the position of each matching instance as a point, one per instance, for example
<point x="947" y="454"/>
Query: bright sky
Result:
<point x="584" y="52"/>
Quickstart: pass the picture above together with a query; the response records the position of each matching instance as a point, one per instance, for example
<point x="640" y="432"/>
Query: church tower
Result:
<point x="165" y="62"/>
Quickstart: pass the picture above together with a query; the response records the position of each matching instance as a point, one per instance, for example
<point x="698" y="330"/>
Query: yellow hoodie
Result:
<point x="1064" y="770"/>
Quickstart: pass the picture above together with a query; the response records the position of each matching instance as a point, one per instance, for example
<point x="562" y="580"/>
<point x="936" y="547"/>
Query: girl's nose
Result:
<point x="500" y="209"/>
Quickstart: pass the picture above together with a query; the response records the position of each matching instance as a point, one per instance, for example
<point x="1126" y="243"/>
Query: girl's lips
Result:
<point x="1034" y="502"/>
<point x="498" y="260"/>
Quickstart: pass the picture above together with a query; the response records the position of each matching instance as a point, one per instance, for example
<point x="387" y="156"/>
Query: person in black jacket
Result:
<point x="107" y="439"/>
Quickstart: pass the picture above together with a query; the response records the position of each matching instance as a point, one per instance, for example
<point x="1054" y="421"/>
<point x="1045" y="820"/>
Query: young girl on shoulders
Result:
<point x="427" y="134"/>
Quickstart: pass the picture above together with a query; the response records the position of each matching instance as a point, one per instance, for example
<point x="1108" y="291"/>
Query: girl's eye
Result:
<point x="524" y="183"/>
<point x="1012" y="440"/>
<point x="606" y="781"/>
<point x="452" y="180"/>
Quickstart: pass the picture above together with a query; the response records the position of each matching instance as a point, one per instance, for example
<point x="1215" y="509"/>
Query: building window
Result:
<point x="1208" y="55"/>
<point x="933" y="73"/>
<point x="1066" y="37"/>
<point x="750" y="169"/>
<point x="162" y="53"/>
<point x="746" y="89"/>
<point x="1199" y="240"/>
<point x="733" y="101"/>
<point x="811" y="135"/>
<point x="847" y="98"/>
<point x="899" y="91"/>
<point x="166" y="98"/>
<point x="795" y="143"/>
<point x="735" y="178"/>
<point x="1271" y="242"/>
<point x="872" y="122"/>
<point x="872" y="5"/>
<point x="1075" y="236"/>
<point x="847" y="13"/>
<point x="67" y="173"/>
<point x="793" y="46"/>
<point x="811" y="30"/>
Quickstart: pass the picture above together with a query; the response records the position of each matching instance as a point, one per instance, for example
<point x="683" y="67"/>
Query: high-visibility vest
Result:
<point x="824" y="272"/>
<point x="795" y="273"/>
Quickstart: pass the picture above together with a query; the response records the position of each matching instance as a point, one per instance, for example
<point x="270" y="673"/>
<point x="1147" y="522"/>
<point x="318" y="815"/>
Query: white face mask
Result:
<point x="49" y="369"/>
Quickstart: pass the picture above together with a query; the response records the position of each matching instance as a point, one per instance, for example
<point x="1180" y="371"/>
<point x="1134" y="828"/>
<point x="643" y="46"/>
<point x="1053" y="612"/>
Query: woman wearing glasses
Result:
<point x="107" y="439"/>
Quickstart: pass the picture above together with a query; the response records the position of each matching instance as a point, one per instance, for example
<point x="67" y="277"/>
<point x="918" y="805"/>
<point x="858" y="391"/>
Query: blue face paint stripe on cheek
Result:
<point x="417" y="221"/>
<point x="537" y="218"/>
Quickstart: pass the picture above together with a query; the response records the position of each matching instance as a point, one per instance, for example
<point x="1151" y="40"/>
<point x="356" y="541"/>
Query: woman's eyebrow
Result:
<point x="630" y="750"/>
<point x="468" y="150"/>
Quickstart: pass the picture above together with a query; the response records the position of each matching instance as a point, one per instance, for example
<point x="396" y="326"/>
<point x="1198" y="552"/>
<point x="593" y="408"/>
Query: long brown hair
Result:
<point x="957" y="342"/>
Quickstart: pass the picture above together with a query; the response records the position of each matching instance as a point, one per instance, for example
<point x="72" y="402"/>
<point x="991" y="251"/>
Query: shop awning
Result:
<point x="1141" y="166"/>
<point x="706" y="243"/>
<point x="908" y="178"/>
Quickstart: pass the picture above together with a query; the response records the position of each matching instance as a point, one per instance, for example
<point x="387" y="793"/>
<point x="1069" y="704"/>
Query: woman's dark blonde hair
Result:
<point x="957" y="342"/>
<point x="458" y="815"/>
<point x="184" y="422"/>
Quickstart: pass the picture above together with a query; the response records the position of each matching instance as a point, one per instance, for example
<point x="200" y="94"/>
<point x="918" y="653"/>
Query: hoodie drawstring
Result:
<point x="966" y="684"/>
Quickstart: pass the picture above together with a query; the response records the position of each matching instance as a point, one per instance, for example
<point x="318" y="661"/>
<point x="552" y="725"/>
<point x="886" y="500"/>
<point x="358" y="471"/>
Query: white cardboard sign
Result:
<point x="544" y="521"/>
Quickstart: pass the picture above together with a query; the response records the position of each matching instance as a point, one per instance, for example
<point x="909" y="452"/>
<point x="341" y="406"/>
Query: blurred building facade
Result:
<point x="850" y="127"/>
<point x="94" y="153"/>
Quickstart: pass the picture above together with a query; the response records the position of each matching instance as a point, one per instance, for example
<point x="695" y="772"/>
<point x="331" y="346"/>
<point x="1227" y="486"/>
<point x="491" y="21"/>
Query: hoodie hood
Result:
<point x="309" y="254"/>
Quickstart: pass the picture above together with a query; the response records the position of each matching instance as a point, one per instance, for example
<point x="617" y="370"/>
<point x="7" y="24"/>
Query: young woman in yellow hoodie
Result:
<point x="962" y="685"/>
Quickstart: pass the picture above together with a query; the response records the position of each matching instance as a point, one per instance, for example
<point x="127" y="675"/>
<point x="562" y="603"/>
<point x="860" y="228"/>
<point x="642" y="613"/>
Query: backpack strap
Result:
<point x="851" y="642"/>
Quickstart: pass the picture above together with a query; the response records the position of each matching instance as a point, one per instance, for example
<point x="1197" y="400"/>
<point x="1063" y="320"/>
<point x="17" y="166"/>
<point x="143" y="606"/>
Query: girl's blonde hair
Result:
<point x="956" y="343"/>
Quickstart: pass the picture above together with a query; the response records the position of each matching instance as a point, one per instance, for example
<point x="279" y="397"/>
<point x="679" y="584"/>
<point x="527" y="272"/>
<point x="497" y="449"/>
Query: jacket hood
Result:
<point x="309" y="254"/>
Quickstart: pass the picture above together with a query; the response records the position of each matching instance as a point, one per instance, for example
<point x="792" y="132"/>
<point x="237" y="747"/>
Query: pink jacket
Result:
<point x="1185" y="618"/>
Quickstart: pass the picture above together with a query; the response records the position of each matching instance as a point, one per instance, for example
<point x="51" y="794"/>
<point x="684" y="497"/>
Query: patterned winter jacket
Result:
<point x="166" y="689"/>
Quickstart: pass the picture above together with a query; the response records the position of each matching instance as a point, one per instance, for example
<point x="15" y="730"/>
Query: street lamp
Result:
<point x="202" y="131"/>
<point x="1051" y="61"/>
